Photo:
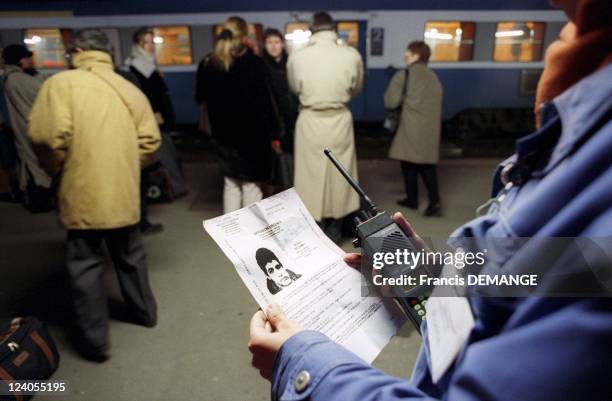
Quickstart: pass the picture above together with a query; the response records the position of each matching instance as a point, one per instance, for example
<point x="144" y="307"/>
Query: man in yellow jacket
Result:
<point x="93" y="130"/>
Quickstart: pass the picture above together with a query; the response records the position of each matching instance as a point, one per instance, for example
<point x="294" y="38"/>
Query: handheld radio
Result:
<point x="377" y="232"/>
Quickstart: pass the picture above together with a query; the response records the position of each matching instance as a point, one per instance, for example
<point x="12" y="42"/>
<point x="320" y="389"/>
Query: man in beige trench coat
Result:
<point x="325" y="75"/>
<point x="417" y="140"/>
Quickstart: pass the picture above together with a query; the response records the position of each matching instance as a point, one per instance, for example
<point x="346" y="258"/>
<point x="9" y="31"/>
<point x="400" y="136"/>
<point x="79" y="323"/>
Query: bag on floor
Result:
<point x="27" y="352"/>
<point x="159" y="187"/>
<point x="169" y="159"/>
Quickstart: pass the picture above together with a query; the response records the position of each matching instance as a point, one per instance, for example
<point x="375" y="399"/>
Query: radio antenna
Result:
<point x="351" y="180"/>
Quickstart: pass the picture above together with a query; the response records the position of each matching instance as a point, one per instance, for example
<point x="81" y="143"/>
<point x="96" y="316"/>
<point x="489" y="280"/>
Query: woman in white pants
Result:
<point x="238" y="193"/>
<point x="234" y="85"/>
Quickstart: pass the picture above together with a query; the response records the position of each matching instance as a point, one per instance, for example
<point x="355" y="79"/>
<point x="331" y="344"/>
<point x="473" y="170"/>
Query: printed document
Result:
<point x="283" y="257"/>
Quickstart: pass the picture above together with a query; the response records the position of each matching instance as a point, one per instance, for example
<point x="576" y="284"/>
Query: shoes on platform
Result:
<point x="408" y="204"/>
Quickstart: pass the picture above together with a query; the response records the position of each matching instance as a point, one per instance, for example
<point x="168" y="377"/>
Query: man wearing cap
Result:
<point x="21" y="85"/>
<point x="325" y="74"/>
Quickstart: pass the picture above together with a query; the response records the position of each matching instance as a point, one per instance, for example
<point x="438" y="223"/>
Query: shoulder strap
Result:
<point x="406" y="77"/>
<point x="127" y="105"/>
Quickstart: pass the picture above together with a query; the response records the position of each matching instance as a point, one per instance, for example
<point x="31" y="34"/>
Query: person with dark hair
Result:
<point x="325" y="74"/>
<point x="275" y="55"/>
<point x="21" y="83"/>
<point x="417" y="90"/>
<point x="278" y="276"/>
<point x="234" y="86"/>
<point x="93" y="130"/>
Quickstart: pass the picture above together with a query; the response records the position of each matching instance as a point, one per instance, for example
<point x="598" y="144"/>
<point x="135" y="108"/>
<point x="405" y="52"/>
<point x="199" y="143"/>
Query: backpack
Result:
<point x="27" y="352"/>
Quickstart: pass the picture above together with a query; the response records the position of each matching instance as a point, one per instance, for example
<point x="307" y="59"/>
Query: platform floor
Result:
<point x="198" y="350"/>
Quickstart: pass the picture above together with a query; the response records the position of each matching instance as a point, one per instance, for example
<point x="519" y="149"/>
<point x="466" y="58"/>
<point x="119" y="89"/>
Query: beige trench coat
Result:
<point x="325" y="75"/>
<point x="418" y="136"/>
<point x="93" y="128"/>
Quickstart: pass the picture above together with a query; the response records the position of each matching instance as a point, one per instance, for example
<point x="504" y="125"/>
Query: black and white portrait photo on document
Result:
<point x="277" y="275"/>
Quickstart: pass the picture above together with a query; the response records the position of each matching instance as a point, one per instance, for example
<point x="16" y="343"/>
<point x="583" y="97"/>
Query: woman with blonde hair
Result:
<point x="234" y="86"/>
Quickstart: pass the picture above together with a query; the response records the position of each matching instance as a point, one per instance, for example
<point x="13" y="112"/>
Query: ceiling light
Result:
<point x="505" y="34"/>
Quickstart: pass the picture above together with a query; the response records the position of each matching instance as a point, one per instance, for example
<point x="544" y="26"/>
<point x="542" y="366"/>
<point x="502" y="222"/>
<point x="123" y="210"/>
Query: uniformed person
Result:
<point x="556" y="186"/>
<point x="325" y="74"/>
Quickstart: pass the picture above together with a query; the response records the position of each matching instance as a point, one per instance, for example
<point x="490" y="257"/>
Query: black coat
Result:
<point x="130" y="76"/>
<point x="242" y="119"/>
<point x="287" y="102"/>
<point x="156" y="91"/>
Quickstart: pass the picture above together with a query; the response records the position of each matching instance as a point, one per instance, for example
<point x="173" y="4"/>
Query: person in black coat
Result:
<point x="142" y="68"/>
<point x="146" y="227"/>
<point x="234" y="85"/>
<point x="275" y="56"/>
<point x="143" y="65"/>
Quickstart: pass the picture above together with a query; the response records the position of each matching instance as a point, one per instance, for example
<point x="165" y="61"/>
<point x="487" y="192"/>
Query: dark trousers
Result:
<point x="332" y="228"/>
<point x="428" y="173"/>
<point x="86" y="267"/>
<point x="144" y="187"/>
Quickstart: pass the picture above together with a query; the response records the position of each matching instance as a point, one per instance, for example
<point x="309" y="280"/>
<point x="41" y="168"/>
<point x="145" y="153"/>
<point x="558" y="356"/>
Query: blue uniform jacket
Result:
<point x="521" y="349"/>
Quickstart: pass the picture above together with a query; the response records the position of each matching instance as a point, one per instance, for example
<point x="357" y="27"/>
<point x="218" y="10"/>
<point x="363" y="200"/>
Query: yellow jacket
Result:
<point x="94" y="129"/>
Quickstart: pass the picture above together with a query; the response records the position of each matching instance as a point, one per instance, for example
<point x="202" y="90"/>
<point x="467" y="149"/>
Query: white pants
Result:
<point x="238" y="194"/>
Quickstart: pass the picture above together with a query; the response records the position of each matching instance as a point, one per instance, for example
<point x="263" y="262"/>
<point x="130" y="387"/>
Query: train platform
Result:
<point x="198" y="349"/>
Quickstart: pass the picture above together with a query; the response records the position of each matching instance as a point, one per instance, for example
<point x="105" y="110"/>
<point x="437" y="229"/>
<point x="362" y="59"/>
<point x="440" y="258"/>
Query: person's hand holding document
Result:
<point x="267" y="333"/>
<point x="285" y="259"/>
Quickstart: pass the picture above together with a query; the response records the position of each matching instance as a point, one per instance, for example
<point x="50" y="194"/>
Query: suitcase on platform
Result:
<point x="27" y="352"/>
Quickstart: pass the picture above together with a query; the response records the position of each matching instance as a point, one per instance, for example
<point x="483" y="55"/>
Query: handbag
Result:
<point x="159" y="187"/>
<point x="392" y="116"/>
<point x="282" y="168"/>
<point x="282" y="176"/>
<point x="27" y="352"/>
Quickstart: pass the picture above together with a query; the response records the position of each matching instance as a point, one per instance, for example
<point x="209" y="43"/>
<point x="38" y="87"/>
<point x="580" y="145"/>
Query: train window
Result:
<point x="48" y="46"/>
<point x="349" y="32"/>
<point x="255" y="33"/>
<point x="297" y="34"/>
<point x="450" y="40"/>
<point x="519" y="41"/>
<point x="172" y="45"/>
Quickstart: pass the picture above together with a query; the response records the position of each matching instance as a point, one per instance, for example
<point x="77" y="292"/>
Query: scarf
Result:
<point x="584" y="45"/>
<point x="142" y="61"/>
<point x="278" y="65"/>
